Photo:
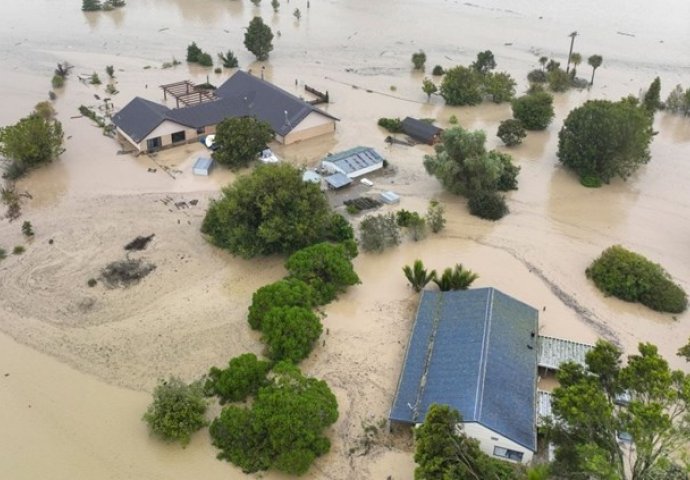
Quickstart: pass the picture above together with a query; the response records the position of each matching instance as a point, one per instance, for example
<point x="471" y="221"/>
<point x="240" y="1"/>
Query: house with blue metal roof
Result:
<point x="476" y="351"/>
<point x="149" y="126"/>
<point x="354" y="162"/>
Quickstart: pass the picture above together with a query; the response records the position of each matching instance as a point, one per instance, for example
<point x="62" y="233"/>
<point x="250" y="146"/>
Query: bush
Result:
<point x="488" y="205"/>
<point x="462" y="86"/>
<point x="110" y="71"/>
<point x="3" y="253"/>
<point x="511" y="132"/>
<point x="193" y="52"/>
<point x="377" y="232"/>
<point x="339" y="229"/>
<point x="631" y="277"/>
<point x="228" y="59"/>
<point x="326" y="267"/>
<point x="205" y="60"/>
<point x="290" y="333"/>
<point x="123" y="273"/>
<point x="537" y="76"/>
<point x="437" y="71"/>
<point x="434" y="216"/>
<point x="57" y="81"/>
<point x="18" y="249"/>
<point x="32" y="141"/>
<point x="534" y="111"/>
<point x="27" y="229"/>
<point x="559" y="81"/>
<point x="393" y="125"/>
<point x="92" y="282"/>
<point x="404" y="217"/>
<point x="590" y="181"/>
<point x="418" y="60"/>
<point x="95" y="79"/>
<point x="289" y="292"/>
<point x="177" y="410"/>
<point x="243" y="377"/>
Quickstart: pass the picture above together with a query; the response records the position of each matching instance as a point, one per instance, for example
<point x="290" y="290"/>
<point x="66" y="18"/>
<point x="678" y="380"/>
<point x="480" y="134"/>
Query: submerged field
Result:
<point x="79" y="362"/>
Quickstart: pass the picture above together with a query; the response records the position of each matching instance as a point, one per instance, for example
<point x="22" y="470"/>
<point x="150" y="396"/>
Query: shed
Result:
<point x="338" y="180"/>
<point x="203" y="166"/>
<point x="421" y="131"/>
<point x="474" y="350"/>
<point x="354" y="162"/>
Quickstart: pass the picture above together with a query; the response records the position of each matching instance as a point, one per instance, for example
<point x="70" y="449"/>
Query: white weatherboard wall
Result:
<point x="165" y="130"/>
<point x="488" y="439"/>
<point x="312" y="125"/>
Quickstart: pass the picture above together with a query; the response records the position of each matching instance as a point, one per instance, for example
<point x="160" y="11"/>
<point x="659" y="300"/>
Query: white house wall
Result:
<point x="129" y="139"/>
<point x="312" y="125"/>
<point x="488" y="439"/>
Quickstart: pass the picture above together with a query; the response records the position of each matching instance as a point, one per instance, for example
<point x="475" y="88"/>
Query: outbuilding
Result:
<point x="421" y="131"/>
<point x="354" y="162"/>
<point x="202" y="166"/>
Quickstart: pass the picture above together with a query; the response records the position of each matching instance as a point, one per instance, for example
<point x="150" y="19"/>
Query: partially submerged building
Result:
<point x="476" y="351"/>
<point x="149" y="126"/>
<point x="354" y="162"/>
<point x="421" y="131"/>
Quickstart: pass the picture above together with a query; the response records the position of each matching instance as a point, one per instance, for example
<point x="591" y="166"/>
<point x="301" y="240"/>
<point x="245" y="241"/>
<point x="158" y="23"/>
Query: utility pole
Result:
<point x="572" y="42"/>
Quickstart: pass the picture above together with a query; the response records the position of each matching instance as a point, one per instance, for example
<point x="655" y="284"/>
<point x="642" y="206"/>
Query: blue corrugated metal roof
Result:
<point x="338" y="180"/>
<point x="471" y="350"/>
<point x="355" y="159"/>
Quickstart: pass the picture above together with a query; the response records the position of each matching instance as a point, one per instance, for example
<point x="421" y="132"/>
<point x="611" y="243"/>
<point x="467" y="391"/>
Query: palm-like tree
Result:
<point x="543" y="61"/>
<point x="575" y="59"/>
<point x="570" y="52"/>
<point x="595" y="62"/>
<point x="418" y="276"/>
<point x="456" y="278"/>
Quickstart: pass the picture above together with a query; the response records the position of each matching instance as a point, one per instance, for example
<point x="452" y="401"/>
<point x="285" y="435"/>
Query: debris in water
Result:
<point x="139" y="243"/>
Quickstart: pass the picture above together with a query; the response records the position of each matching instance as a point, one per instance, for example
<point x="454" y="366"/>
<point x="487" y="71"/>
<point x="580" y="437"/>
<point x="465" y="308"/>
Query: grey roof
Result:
<point x="268" y="102"/>
<point x="474" y="350"/>
<point x="139" y="117"/>
<point x="554" y="351"/>
<point x="420" y="130"/>
<point x="338" y="180"/>
<point x="241" y="95"/>
<point x="355" y="159"/>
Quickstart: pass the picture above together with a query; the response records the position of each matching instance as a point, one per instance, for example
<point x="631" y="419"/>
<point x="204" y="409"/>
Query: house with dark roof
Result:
<point x="354" y="162"/>
<point x="151" y="126"/>
<point x="421" y="131"/>
<point x="476" y="351"/>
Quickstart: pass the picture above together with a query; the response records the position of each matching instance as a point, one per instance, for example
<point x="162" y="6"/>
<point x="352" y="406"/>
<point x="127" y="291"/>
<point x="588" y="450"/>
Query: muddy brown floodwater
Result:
<point x="77" y="363"/>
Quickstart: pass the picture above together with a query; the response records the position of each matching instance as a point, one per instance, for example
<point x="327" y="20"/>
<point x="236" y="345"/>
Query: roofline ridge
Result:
<point x="488" y="313"/>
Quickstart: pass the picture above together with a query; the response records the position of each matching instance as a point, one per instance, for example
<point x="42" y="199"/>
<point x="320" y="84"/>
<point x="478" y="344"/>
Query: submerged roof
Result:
<point x="240" y="96"/>
<point x="554" y="351"/>
<point x="474" y="350"/>
<point x="355" y="159"/>
<point x="420" y="130"/>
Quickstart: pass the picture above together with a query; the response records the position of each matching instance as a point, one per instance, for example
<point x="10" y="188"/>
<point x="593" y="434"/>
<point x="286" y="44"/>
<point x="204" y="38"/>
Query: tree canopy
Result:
<point x="32" y="141"/>
<point x="461" y="86"/>
<point x="259" y="39"/>
<point x="534" y="111"/>
<point x="177" y="410"/>
<point x="485" y="62"/>
<point x="243" y="377"/>
<point x="239" y="140"/>
<point x="511" y="132"/>
<point x="595" y="406"/>
<point x="269" y="211"/>
<point x="604" y="139"/>
<point x="290" y="333"/>
<point x="326" y="267"/>
<point x="652" y="97"/>
<point x="288" y="292"/>
<point x="444" y="452"/>
<point x="500" y="86"/>
<point x="283" y="429"/>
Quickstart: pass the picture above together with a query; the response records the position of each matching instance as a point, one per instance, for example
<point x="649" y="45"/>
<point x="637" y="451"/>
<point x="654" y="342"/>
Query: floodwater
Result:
<point x="94" y="349"/>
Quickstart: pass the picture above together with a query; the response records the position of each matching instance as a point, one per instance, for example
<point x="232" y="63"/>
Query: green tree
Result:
<point x="604" y="139"/>
<point x="652" y="97"/>
<point x="429" y="88"/>
<point x="269" y="211"/>
<point x="276" y="5"/>
<point x="288" y="292"/>
<point x="418" y="60"/>
<point x="45" y="110"/>
<point x="488" y="205"/>
<point x="297" y="14"/>
<point x="575" y="59"/>
<point x="543" y="61"/>
<point x="326" y="267"/>
<point x="256" y="2"/>
<point x="511" y="132"/>
<point x="589" y="414"/>
<point x="595" y="62"/>
<point x="31" y="142"/>
<point x="284" y="427"/>
<point x="91" y="5"/>
<point x="27" y="229"/>
<point x="631" y="277"/>
<point x="228" y="59"/>
<point x="462" y="86"/>
<point x="485" y="62"/>
<point x="243" y="377"/>
<point x="437" y="71"/>
<point x="444" y="452"/>
<point x="177" y="410"/>
<point x="456" y="278"/>
<point x="500" y="86"/>
<point x="290" y="333"/>
<point x="110" y="70"/>
<point x="418" y="276"/>
<point x="559" y="80"/>
<point x="377" y="232"/>
<point x="434" y="216"/>
<point x="259" y="39"/>
<point x="193" y="52"/>
<point x="534" y="111"/>
<point x="239" y="140"/>
<point x="678" y="101"/>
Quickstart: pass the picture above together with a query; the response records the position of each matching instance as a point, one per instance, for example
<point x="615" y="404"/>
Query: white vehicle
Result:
<point x="267" y="156"/>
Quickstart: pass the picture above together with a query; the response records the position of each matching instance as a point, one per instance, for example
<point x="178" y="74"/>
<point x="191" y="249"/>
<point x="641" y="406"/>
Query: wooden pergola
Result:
<point x="187" y="93"/>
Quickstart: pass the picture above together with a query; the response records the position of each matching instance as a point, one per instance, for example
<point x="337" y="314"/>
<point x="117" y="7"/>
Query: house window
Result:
<point x="507" y="453"/>
<point x="178" y="137"/>
<point x="153" y="144"/>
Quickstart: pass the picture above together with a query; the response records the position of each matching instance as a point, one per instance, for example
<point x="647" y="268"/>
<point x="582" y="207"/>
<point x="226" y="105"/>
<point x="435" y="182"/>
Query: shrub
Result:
<point x="339" y="229"/>
<point x="456" y="278"/>
<point x="3" y="253"/>
<point x="205" y="60"/>
<point x="534" y="111"/>
<point x="453" y="120"/>
<point x="58" y="81"/>
<point x="462" y="86"/>
<point x="377" y="232"/>
<point x="404" y="217"/>
<point x="559" y="81"/>
<point x="418" y="60"/>
<point x="218" y="70"/>
<point x="193" y="52"/>
<point x="488" y="205"/>
<point x="123" y="273"/>
<point x="91" y="5"/>
<point x="393" y="125"/>
<point x="290" y="333"/>
<point x="631" y="277"/>
<point x="537" y="76"/>
<point x="511" y="132"/>
<point x="590" y="181"/>
<point x="289" y="292"/>
<point x="243" y="377"/>
<point x="418" y="276"/>
<point x="177" y="410"/>
<point x="18" y="249"/>
<point x="437" y="71"/>
<point x="27" y="229"/>
<point x="94" y="79"/>
<point x="434" y="216"/>
<point x="92" y="282"/>
<point x="110" y="70"/>
<point x="228" y="59"/>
